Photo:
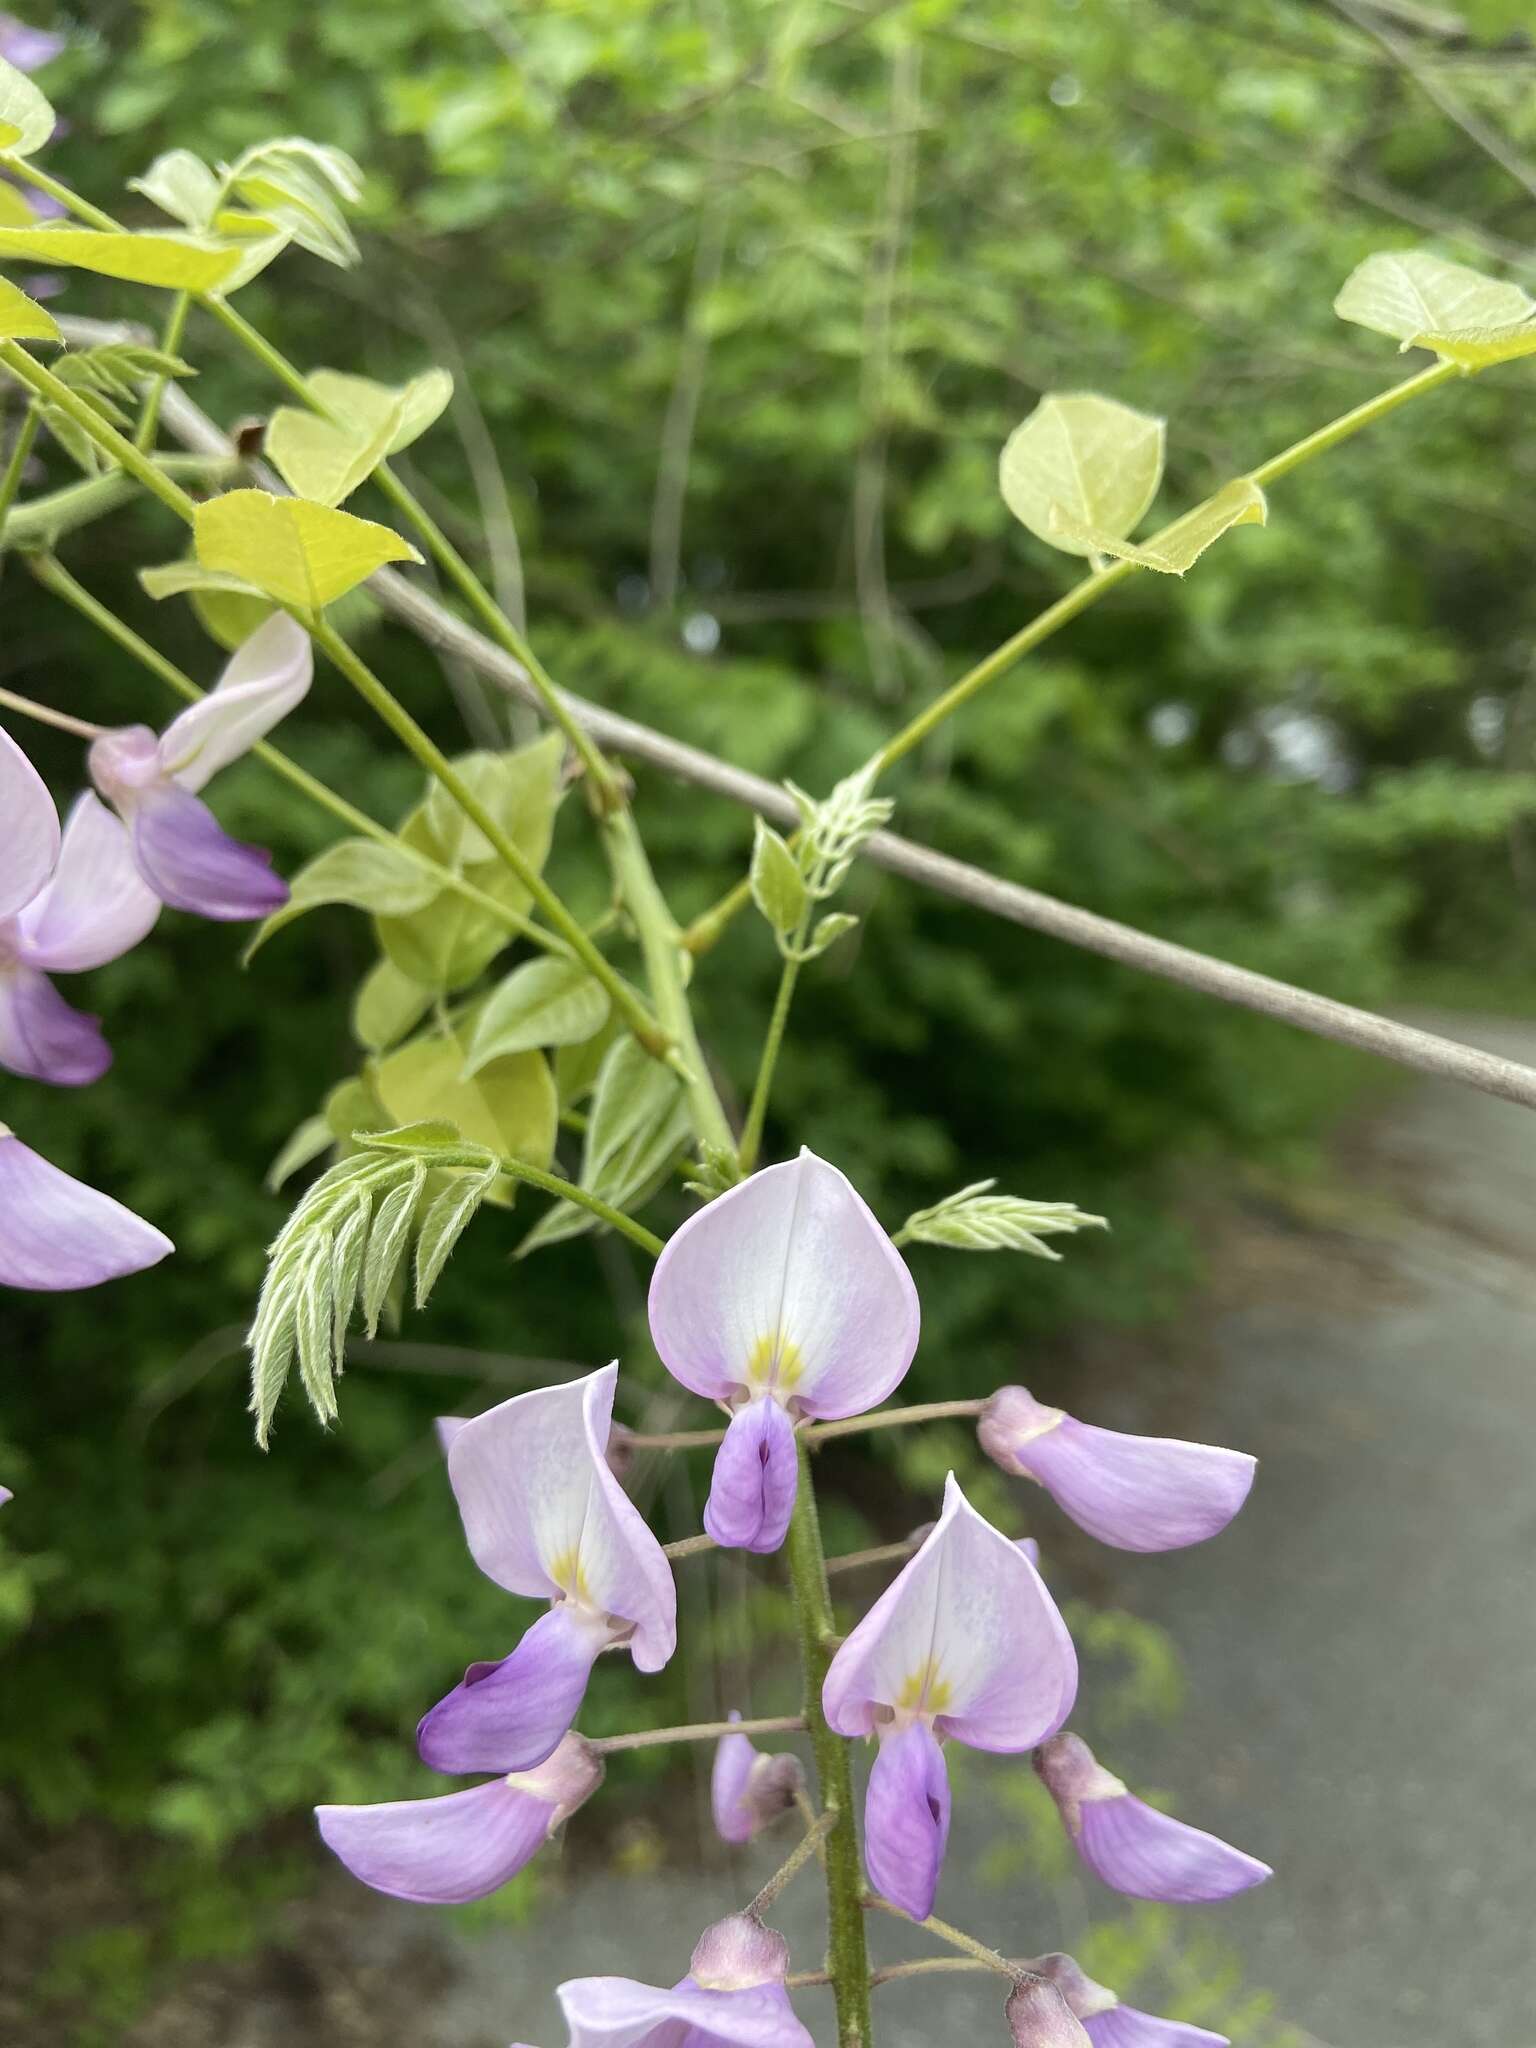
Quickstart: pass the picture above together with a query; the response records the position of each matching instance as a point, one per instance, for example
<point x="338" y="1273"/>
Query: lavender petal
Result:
<point x="1124" y="2027"/>
<point x="440" y="1852"/>
<point x="29" y="828"/>
<point x="906" y="1819"/>
<point x="191" y="863"/>
<point x="757" y="1474"/>
<point x="510" y="1716"/>
<point x="1149" y="1855"/>
<point x="57" y="1234"/>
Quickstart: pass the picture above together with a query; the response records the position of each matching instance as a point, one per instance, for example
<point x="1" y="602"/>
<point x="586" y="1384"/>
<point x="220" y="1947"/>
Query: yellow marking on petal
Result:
<point x="774" y="1362"/>
<point x="925" y="1691"/>
<point x="568" y="1575"/>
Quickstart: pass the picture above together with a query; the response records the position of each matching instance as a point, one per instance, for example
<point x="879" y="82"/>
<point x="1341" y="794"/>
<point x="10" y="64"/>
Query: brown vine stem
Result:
<point x="697" y="1731"/>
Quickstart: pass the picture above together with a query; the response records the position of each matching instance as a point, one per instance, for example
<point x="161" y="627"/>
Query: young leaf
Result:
<point x="1089" y="458"/>
<point x="301" y="554"/>
<point x="778" y="887"/>
<point x="26" y="119"/>
<point x="1179" y="545"/>
<point x="975" y="1220"/>
<point x="23" y="319"/>
<point x="183" y="186"/>
<point x="444" y="1224"/>
<point x="307" y="1142"/>
<point x="417" y="404"/>
<point x="578" y="1066"/>
<point x="386" y="1006"/>
<point x="509" y="1106"/>
<point x="177" y="263"/>
<point x="828" y="931"/>
<point x="1479" y="348"/>
<point x="298" y="186"/>
<point x="387" y="1242"/>
<point x="640" y="1121"/>
<point x="364" y="872"/>
<point x="543" y="1002"/>
<point x="14" y="210"/>
<point x="1415" y="293"/>
<point x="326" y="461"/>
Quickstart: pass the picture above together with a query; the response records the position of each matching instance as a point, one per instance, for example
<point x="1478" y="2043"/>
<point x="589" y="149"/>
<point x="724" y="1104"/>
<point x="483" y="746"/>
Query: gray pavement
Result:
<point x="1360" y="1647"/>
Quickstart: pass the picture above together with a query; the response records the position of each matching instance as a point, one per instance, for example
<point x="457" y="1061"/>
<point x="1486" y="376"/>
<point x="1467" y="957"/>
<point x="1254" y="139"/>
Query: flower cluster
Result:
<point x="785" y="1303"/>
<point x="74" y="897"/>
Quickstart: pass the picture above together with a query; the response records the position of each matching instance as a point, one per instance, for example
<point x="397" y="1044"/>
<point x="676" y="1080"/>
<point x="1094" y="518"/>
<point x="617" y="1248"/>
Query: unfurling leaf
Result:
<point x="300" y="554"/>
<point x="1089" y="459"/>
<point x="509" y="1106"/>
<point x="228" y="609"/>
<point x="368" y="873"/>
<point x="386" y="1006"/>
<point x="26" y="118"/>
<point x="778" y="887"/>
<point x="1179" y="545"/>
<point x="175" y="262"/>
<point x="638" y="1124"/>
<point x="444" y="1224"/>
<point x="299" y="188"/>
<point x="326" y="460"/>
<point x="828" y="930"/>
<point x="1416" y="294"/>
<point x="975" y="1220"/>
<point x="183" y="186"/>
<point x="542" y="1003"/>
<point x="117" y="369"/>
<point x="23" y="319"/>
<point x="836" y="830"/>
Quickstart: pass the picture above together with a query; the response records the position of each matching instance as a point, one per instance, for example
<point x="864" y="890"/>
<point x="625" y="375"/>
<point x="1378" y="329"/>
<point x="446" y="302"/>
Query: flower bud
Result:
<point x="750" y="1790"/>
<point x="1041" y="2018"/>
<point x="739" y="1953"/>
<point x="1085" y="1998"/>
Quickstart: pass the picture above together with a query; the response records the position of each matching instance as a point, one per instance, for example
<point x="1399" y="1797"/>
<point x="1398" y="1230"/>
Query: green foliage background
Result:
<point x="865" y="241"/>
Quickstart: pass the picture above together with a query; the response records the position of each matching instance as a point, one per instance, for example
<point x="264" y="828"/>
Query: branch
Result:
<point x="1423" y="1051"/>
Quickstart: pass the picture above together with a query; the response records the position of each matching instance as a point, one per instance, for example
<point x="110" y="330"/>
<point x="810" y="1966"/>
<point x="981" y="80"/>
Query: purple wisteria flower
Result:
<point x="732" y="1997"/>
<point x="441" y="1852"/>
<point x="1109" y="2024"/>
<point x="965" y="1642"/>
<point x="5" y="1495"/>
<point x="182" y="851"/>
<point x="57" y="1234"/>
<point x="1135" y="1492"/>
<point x="748" y="1790"/>
<point x="68" y="901"/>
<point x="1130" y="1845"/>
<point x="544" y="1516"/>
<point x="1039" y="2017"/>
<point x="782" y="1300"/>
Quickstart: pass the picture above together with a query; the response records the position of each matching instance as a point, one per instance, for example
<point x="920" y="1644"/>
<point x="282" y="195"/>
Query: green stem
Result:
<point x="170" y="344"/>
<point x="847" y="1951"/>
<point x="757" y="1110"/>
<point x="45" y="714"/>
<point x="55" y="577"/>
<point x="698" y="1731"/>
<point x="21" y="448"/>
<point x="519" y="1169"/>
<point x="41" y="522"/>
<point x="29" y="173"/>
<point x="44" y="384"/>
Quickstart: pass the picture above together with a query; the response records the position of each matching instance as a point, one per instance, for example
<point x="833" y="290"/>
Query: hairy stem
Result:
<point x="894" y="1418"/>
<point x="968" y="1945"/>
<point x="698" y="1731"/>
<point x="807" y="1847"/>
<point x="686" y="1546"/>
<point x="847" y="1951"/>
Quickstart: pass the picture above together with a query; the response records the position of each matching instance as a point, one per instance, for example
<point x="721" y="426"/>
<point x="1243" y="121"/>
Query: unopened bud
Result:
<point x="1085" y="1998"/>
<point x="738" y="1954"/>
<point x="1041" y="2018"/>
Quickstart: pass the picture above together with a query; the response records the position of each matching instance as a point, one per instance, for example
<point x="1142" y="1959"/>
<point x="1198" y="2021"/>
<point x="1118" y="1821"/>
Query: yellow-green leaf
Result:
<point x="301" y="554"/>
<point x="326" y="460"/>
<point x="14" y="210"/>
<point x="1086" y="459"/>
<point x="23" y="319"/>
<point x="1415" y="293"/>
<point x="370" y="874"/>
<point x="1479" y="348"/>
<point x="509" y="1106"/>
<point x="778" y="887"/>
<point x="543" y="1002"/>
<point x="26" y="119"/>
<point x="1179" y="545"/>
<point x="181" y="263"/>
<point x="420" y="403"/>
<point x="386" y="1006"/>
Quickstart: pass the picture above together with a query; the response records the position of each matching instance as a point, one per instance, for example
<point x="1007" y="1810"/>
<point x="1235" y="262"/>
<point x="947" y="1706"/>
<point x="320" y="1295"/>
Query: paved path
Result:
<point x="1361" y="1646"/>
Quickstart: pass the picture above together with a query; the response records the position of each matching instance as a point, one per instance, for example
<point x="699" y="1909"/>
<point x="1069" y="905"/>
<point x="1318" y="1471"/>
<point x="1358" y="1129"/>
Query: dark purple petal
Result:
<point x="511" y="1716"/>
<point x="440" y="1852"/>
<point x="752" y="1494"/>
<point x="906" y="1819"/>
<point x="1149" y="1855"/>
<point x="191" y="862"/>
<point x="42" y="1037"/>
<point x="1039" y="2017"/>
<point x="57" y="1234"/>
<point x="96" y="906"/>
<point x="1123" y="2027"/>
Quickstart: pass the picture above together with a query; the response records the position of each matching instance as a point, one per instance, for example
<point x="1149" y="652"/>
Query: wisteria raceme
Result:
<point x="58" y="1235"/>
<point x="1130" y="1845"/>
<point x="748" y="1790"/>
<point x="966" y="1643"/>
<point x="783" y="1300"/>
<point x="182" y="851"/>
<point x="545" y="1517"/>
<point x="1134" y="1492"/>
<point x="462" y="1845"/>
<point x="1109" y="2024"/>
<point x="68" y="901"/>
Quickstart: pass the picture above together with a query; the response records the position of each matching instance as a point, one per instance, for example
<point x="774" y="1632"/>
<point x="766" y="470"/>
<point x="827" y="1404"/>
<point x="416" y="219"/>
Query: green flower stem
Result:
<point x="894" y="1418"/>
<point x="698" y="1731"/>
<point x="170" y="344"/>
<point x="847" y="1951"/>
<point x="762" y="1087"/>
<point x="45" y="714"/>
<point x="55" y="577"/>
<point x="29" y="173"/>
<point x="21" y="448"/>
<point x="706" y="929"/>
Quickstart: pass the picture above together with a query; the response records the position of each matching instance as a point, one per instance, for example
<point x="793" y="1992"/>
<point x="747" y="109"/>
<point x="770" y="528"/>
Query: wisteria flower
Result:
<point x="732" y="1997"/>
<point x="441" y="1852"/>
<point x="1135" y="1492"/>
<point x="544" y="1516"/>
<point x="748" y="1790"/>
<point x="5" y="1495"/>
<point x="1109" y="2024"/>
<point x="68" y="902"/>
<point x="784" y="1299"/>
<point x="1039" y="2017"/>
<point x="965" y="1642"/>
<point x="1130" y="1845"/>
<point x="57" y="1234"/>
<point x="182" y="851"/>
